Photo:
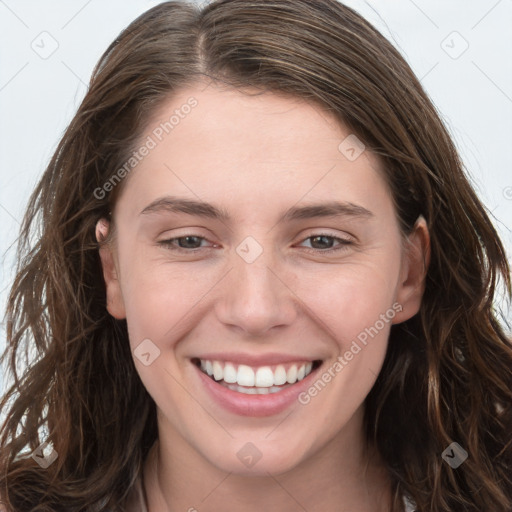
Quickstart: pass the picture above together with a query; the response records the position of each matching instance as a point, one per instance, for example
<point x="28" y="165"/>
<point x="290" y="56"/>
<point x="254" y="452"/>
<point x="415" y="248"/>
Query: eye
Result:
<point x="192" y="243"/>
<point x="325" y="241"/>
<point x="186" y="243"/>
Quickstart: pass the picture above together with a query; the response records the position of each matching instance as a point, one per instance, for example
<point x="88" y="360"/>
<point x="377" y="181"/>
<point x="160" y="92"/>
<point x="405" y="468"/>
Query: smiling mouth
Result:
<point x="261" y="380"/>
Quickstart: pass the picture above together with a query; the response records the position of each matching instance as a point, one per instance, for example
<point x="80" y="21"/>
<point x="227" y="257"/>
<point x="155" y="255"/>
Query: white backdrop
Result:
<point x="460" y="49"/>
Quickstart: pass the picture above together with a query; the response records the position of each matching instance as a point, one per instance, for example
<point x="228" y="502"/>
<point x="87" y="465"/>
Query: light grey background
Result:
<point x="460" y="49"/>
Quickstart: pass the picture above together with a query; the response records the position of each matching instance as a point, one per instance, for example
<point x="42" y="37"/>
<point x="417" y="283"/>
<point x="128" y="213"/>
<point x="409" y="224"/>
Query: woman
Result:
<point x="262" y="281"/>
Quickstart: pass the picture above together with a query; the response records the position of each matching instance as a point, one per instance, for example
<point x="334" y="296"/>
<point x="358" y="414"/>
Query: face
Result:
<point x="254" y="243"/>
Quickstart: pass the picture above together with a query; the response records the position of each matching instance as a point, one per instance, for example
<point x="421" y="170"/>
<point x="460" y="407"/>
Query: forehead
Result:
<point x="267" y="125"/>
<point x="252" y="148"/>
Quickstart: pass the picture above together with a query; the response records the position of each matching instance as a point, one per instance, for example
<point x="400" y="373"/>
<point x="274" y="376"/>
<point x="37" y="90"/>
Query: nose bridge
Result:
<point x="254" y="298"/>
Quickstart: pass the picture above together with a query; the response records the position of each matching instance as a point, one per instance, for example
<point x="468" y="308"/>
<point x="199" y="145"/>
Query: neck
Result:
<point x="342" y="475"/>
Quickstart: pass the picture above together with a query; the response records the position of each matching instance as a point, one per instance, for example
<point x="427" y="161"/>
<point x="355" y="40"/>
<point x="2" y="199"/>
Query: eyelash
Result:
<point x="344" y="243"/>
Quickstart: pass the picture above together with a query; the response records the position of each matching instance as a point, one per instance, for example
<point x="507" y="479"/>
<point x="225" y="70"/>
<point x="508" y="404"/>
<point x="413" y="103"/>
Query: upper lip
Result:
<point x="256" y="360"/>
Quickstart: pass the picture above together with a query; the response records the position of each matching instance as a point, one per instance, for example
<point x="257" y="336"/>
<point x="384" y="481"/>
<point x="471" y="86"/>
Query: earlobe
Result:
<point x="415" y="263"/>
<point x="115" y="303"/>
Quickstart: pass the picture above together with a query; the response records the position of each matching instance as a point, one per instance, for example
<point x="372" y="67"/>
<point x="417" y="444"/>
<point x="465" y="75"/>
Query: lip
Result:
<point x="254" y="405"/>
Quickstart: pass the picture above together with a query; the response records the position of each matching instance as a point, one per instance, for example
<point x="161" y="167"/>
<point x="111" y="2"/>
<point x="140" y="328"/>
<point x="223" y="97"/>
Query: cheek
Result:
<point x="358" y="323"/>
<point x="157" y="294"/>
<point x="158" y="302"/>
<point x="351" y="298"/>
<point x="355" y="305"/>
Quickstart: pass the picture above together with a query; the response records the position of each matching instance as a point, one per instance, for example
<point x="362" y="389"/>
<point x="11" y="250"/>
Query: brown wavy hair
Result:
<point x="447" y="374"/>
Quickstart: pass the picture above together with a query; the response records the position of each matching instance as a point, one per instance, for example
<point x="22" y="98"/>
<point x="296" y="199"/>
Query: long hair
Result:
<point x="447" y="373"/>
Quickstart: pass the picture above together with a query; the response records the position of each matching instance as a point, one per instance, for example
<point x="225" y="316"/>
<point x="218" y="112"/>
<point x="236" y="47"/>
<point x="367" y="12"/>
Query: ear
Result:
<point x="115" y="303"/>
<point x="415" y="262"/>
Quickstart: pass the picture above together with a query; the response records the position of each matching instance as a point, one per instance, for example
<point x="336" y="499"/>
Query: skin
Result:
<point x="256" y="157"/>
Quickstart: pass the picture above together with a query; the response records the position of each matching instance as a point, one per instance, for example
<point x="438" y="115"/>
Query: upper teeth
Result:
<point x="263" y="376"/>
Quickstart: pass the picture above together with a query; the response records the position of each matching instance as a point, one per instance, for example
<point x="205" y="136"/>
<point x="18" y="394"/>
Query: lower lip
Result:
<point x="254" y="405"/>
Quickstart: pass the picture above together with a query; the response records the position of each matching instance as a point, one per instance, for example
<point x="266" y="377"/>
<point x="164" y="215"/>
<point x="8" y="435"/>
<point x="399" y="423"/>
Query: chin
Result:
<point x="257" y="458"/>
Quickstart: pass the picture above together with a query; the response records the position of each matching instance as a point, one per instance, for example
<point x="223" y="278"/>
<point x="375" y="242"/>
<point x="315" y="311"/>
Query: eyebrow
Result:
<point x="203" y="209"/>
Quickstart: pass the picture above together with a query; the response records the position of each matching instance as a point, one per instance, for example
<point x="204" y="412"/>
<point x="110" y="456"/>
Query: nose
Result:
<point x="256" y="296"/>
